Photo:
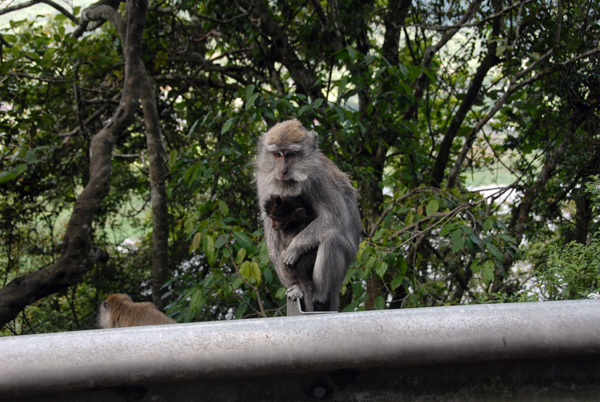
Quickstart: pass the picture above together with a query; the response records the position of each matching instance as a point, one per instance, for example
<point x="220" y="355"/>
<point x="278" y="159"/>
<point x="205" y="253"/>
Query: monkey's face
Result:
<point x="104" y="316"/>
<point x="285" y="165"/>
<point x="278" y="224"/>
<point x="278" y="213"/>
<point x="284" y="211"/>
<point x="288" y="153"/>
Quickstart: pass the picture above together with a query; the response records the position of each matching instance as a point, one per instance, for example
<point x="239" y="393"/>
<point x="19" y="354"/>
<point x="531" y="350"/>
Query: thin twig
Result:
<point x="262" y="312"/>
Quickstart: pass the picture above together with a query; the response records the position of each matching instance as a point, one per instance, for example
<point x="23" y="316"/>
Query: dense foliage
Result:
<point x="421" y="103"/>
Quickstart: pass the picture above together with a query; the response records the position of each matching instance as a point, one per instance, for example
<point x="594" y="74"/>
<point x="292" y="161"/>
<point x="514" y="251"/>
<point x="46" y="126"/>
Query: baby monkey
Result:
<point x="289" y="216"/>
<point x="118" y="310"/>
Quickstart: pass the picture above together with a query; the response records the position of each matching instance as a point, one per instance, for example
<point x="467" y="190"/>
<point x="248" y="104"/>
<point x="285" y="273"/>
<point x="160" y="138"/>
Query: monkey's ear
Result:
<point x="315" y="140"/>
<point x="299" y="214"/>
<point x="106" y="305"/>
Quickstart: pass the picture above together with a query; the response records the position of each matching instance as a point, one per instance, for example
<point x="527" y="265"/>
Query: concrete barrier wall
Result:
<point x="293" y="358"/>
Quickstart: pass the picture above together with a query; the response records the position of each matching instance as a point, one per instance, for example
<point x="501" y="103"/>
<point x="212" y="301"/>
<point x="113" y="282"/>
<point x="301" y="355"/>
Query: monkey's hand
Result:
<point x="288" y="259"/>
<point x="294" y="292"/>
<point x="290" y="256"/>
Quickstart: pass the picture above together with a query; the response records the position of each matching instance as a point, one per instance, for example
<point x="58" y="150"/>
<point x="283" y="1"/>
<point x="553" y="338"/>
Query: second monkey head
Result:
<point x="286" y="213"/>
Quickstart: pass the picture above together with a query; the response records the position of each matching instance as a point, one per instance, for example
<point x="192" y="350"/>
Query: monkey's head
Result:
<point x="115" y="299"/>
<point x="109" y="306"/>
<point x="287" y="153"/>
<point x="284" y="211"/>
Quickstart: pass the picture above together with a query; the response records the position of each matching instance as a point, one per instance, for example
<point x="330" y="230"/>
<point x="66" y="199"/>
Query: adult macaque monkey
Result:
<point x="118" y="310"/>
<point x="290" y="164"/>
<point x="291" y="215"/>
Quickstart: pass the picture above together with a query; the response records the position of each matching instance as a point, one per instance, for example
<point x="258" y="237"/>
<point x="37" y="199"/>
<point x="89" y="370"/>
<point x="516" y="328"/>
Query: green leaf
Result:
<point x="250" y="101"/>
<point x="250" y="91"/>
<point x="7" y="175"/>
<point x="397" y="281"/>
<point x="223" y="207"/>
<point x="351" y="53"/>
<point x="507" y="238"/>
<point x="220" y="242"/>
<point x="487" y="273"/>
<point x="209" y="249"/>
<point x="263" y="255"/>
<point x="317" y="104"/>
<point x="250" y="271"/>
<point x="12" y="39"/>
<point x="193" y="127"/>
<point x="353" y="306"/>
<point x="361" y="248"/>
<point x="403" y="267"/>
<point x="381" y="268"/>
<point x="433" y="207"/>
<point x="197" y="301"/>
<point x="494" y="251"/>
<point x="196" y="241"/>
<point x="447" y="229"/>
<point x="241" y="254"/>
<point x="227" y="126"/>
<point x="243" y="240"/>
<point x="379" y="303"/>
<point x="268" y="274"/>
<point x="31" y="157"/>
<point x="500" y="50"/>
<point x="12" y="174"/>
<point x="474" y="238"/>
<point x="237" y="282"/>
<point x="457" y="240"/>
<point x="255" y="272"/>
<point x="280" y="294"/>
<point x="369" y="265"/>
<point x="172" y="159"/>
<point x="475" y="267"/>
<point x="240" y="310"/>
<point x="487" y="225"/>
<point x="378" y="235"/>
<point x="245" y="270"/>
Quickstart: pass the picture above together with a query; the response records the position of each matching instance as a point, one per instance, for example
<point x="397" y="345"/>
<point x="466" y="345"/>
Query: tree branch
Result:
<point x="51" y="3"/>
<point x="430" y="52"/>
<point x="512" y="88"/>
<point x="259" y="14"/>
<point x="489" y="61"/>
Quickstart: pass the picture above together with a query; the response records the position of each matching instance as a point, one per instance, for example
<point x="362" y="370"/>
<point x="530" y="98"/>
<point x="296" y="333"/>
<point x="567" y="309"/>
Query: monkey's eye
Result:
<point x="290" y="154"/>
<point x="277" y="154"/>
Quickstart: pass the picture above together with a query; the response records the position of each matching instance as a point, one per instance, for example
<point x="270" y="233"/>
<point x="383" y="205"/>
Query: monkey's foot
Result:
<point x="294" y="292"/>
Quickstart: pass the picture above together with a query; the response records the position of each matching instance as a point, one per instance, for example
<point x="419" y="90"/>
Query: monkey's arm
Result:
<point x="276" y="247"/>
<point x="329" y="223"/>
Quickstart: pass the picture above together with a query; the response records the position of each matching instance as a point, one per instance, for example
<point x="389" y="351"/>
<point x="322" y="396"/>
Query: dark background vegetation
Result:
<point x="127" y="134"/>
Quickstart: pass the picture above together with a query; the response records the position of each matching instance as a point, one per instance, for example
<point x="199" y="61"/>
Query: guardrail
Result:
<point x="476" y="350"/>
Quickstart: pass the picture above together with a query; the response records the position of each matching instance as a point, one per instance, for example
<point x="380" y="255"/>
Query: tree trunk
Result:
<point x="78" y="254"/>
<point x="157" y="155"/>
<point x="370" y="200"/>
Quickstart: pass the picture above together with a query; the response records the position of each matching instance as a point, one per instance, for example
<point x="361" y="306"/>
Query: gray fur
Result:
<point x="336" y="230"/>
